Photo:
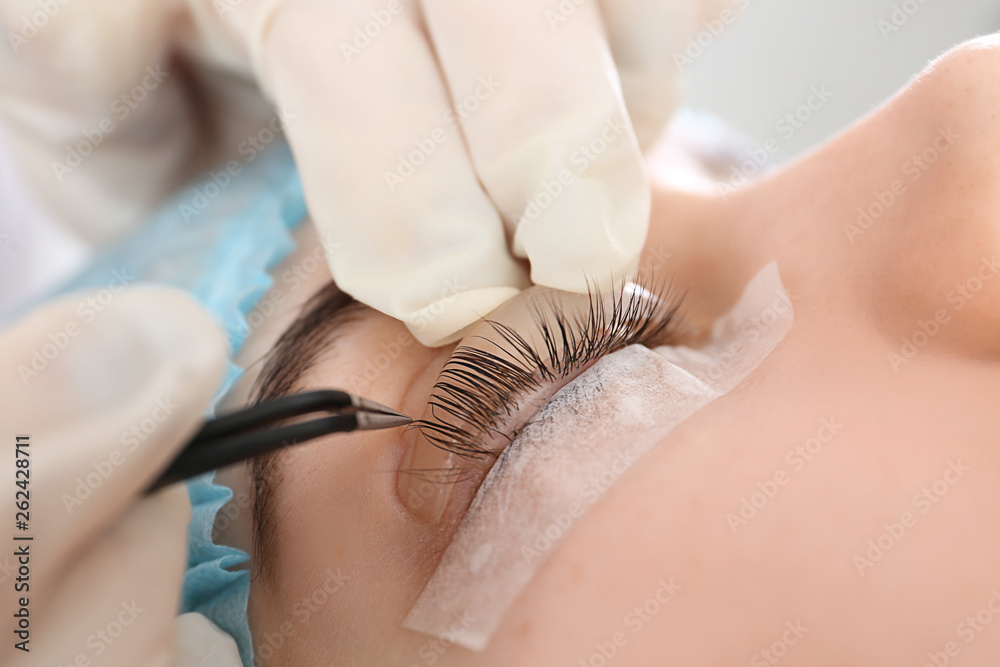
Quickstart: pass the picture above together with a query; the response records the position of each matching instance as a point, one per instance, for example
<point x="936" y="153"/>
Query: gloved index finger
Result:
<point x="407" y="226"/>
<point x="552" y="144"/>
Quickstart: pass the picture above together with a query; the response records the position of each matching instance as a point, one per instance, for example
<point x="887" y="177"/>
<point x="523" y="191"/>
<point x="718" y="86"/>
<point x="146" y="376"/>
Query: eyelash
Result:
<point x="478" y="389"/>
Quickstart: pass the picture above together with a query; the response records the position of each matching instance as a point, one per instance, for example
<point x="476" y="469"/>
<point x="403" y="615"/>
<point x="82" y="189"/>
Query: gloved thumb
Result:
<point x="105" y="388"/>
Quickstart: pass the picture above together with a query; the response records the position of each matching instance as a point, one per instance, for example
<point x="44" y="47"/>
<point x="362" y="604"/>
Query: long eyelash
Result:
<point x="478" y="388"/>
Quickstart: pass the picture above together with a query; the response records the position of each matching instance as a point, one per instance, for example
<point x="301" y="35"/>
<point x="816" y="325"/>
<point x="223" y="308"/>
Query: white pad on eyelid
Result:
<point x="579" y="444"/>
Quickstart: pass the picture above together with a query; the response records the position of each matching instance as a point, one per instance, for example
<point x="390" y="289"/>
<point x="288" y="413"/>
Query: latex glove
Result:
<point x="106" y="403"/>
<point x="439" y="143"/>
<point x="468" y="123"/>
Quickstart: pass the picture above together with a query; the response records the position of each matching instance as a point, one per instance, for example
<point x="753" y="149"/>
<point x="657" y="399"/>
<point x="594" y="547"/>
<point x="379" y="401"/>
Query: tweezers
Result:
<point x="245" y="434"/>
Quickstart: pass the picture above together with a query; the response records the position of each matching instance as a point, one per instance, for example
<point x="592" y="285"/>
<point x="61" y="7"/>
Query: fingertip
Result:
<point x="594" y="237"/>
<point x="446" y="320"/>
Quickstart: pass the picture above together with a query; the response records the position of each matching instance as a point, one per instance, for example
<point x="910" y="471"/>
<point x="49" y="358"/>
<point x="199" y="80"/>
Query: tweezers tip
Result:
<point x="368" y="421"/>
<point x="368" y="405"/>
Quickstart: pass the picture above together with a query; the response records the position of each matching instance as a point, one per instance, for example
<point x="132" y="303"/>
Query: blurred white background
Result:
<point x="762" y="66"/>
<point x="752" y="74"/>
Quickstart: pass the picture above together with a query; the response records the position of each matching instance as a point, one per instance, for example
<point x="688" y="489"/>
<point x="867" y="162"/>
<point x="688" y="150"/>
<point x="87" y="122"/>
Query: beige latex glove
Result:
<point x="106" y="403"/>
<point x="439" y="142"/>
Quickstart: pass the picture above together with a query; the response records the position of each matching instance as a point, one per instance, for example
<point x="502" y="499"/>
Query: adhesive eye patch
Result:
<point x="584" y="439"/>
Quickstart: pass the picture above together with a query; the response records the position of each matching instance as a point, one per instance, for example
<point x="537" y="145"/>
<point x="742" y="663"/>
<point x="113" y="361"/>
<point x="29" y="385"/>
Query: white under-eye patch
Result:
<point x="588" y="435"/>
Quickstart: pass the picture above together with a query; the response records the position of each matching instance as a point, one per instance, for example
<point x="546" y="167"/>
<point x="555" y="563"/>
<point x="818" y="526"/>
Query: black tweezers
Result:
<point x="244" y="434"/>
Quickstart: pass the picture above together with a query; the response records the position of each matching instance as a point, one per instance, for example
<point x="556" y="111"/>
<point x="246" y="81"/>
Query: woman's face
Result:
<point x="837" y="507"/>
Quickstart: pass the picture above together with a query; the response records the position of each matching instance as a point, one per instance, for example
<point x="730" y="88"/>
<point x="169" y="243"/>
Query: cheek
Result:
<point x="583" y="596"/>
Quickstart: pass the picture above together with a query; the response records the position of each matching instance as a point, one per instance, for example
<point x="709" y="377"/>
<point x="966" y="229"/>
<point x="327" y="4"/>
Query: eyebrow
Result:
<point x="311" y="335"/>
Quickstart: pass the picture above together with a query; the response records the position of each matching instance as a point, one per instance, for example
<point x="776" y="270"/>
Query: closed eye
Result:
<point x="491" y="386"/>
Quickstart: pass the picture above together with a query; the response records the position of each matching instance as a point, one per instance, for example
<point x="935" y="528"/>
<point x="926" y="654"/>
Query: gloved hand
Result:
<point x="427" y="135"/>
<point x="105" y="397"/>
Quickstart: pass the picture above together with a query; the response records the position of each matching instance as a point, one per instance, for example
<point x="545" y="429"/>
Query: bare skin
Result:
<point x="838" y="507"/>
